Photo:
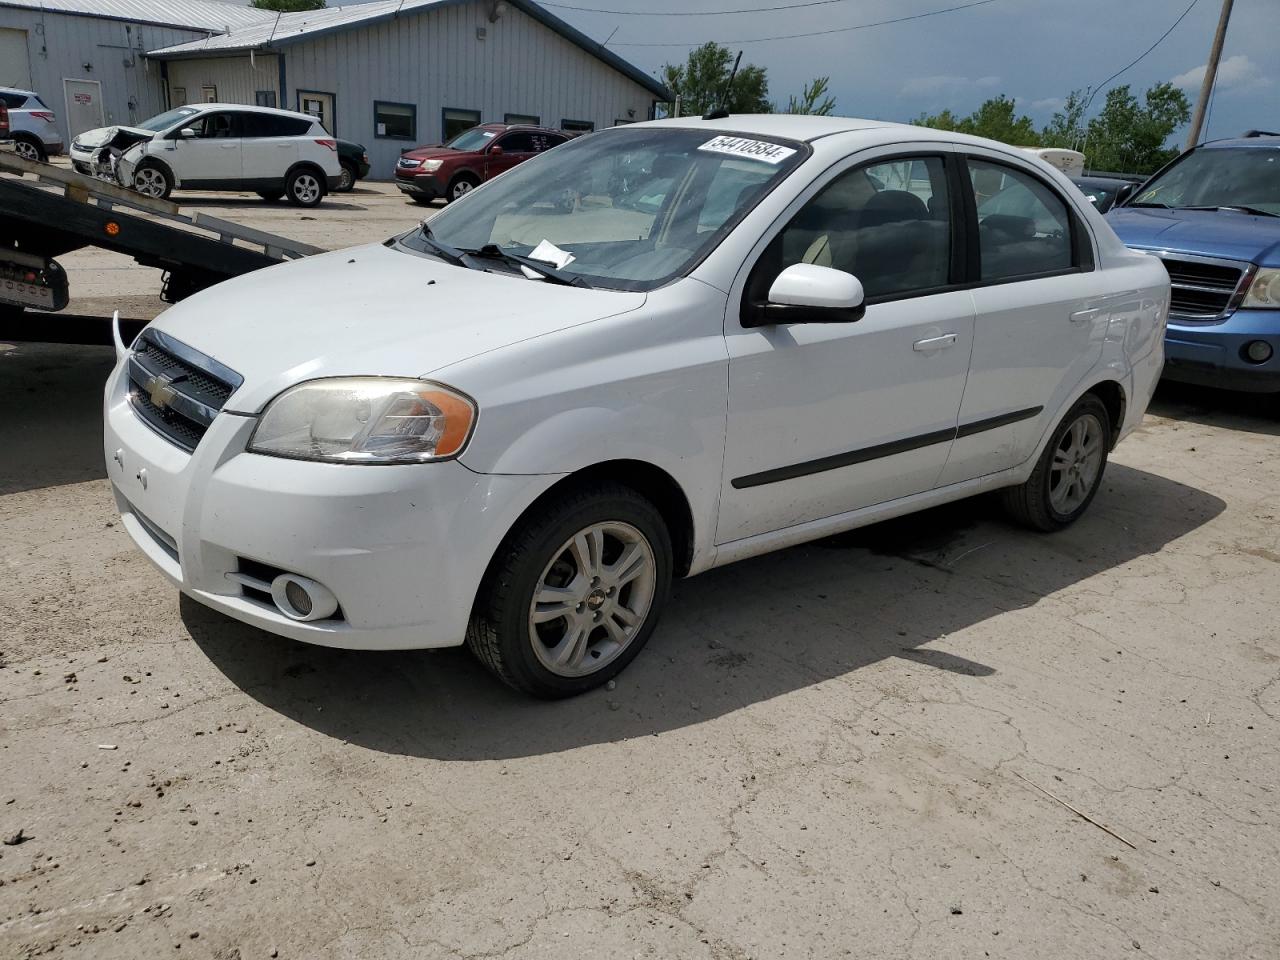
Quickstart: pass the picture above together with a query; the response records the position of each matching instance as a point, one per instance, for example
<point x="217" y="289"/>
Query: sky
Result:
<point x="1035" y="51"/>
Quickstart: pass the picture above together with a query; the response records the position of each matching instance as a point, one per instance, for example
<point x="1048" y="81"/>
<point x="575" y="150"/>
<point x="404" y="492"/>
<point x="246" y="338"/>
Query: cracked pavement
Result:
<point x="820" y="754"/>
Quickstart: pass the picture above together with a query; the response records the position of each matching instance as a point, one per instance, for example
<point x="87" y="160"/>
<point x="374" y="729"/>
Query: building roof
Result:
<point x="208" y="15"/>
<point x="290" y="28"/>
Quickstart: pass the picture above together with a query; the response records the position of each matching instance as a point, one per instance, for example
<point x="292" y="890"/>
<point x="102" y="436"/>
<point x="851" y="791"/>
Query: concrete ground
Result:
<point x="867" y="747"/>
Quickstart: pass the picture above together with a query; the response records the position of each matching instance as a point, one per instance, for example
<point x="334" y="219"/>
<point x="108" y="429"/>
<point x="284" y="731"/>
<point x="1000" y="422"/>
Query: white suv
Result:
<point x="221" y="146"/>
<point x="516" y="423"/>
<point x="32" y="125"/>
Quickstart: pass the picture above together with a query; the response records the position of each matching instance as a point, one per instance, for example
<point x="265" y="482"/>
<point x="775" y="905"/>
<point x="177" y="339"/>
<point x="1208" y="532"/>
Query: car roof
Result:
<point x="246" y="108"/>
<point x="789" y="126"/>
<point x="504" y="127"/>
<point x="1263" y="141"/>
<point x="25" y="93"/>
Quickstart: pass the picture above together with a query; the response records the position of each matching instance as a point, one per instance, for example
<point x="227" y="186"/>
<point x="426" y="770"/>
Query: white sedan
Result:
<point x="649" y="352"/>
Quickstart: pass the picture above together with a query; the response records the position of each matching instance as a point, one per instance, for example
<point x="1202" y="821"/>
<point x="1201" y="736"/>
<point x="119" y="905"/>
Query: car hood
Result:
<point x="434" y="153"/>
<point x="1207" y="233"/>
<point x="370" y="311"/>
<point x="104" y="135"/>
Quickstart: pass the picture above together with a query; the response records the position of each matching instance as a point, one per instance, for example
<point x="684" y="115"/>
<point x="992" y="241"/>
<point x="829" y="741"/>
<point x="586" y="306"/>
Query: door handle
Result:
<point x="229" y="146"/>
<point x="934" y="343"/>
<point x="1082" y="316"/>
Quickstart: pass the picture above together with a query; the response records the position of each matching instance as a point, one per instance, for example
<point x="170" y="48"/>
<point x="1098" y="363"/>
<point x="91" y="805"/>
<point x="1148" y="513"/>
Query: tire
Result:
<point x="460" y="186"/>
<point x="1069" y="472"/>
<point x="349" y="178"/>
<point x="152" y="180"/>
<point x="30" y="149"/>
<point x="270" y="196"/>
<point x="304" y="188"/>
<point x="606" y="620"/>
<point x="421" y="201"/>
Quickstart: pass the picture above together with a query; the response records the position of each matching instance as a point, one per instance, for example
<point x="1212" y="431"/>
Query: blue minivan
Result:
<point x="1213" y="217"/>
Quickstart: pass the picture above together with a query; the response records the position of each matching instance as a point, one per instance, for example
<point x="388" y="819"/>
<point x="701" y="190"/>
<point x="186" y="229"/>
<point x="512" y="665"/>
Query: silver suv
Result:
<point x="32" y="124"/>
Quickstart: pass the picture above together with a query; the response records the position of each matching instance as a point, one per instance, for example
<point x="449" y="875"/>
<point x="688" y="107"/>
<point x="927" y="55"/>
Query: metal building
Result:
<point x="86" y="58"/>
<point x="395" y="73"/>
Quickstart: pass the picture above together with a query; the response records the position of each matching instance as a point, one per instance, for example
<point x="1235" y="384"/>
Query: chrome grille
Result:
<point x="1203" y="288"/>
<point x="407" y="163"/>
<point x="176" y="390"/>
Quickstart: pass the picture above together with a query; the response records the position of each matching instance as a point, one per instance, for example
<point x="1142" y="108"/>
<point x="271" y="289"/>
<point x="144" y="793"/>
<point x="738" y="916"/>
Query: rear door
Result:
<point x="269" y="147"/>
<point x="1041" y="312"/>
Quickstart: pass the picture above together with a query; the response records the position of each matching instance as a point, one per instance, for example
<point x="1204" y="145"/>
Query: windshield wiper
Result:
<point x="491" y="251"/>
<point x="442" y="250"/>
<point x="1241" y="208"/>
<point x="1150" y="203"/>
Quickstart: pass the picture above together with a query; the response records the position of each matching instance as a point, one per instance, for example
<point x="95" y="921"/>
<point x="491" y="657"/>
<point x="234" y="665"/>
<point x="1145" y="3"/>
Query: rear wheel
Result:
<point x="271" y="196"/>
<point x="1069" y="472"/>
<point x="348" y="179"/>
<point x="152" y="180"/>
<point x="28" y="148"/>
<point x="304" y="188"/>
<point x="574" y="593"/>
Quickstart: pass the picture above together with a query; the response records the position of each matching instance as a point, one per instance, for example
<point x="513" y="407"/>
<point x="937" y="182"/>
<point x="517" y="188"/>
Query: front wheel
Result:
<point x="151" y="180"/>
<point x="462" y="185"/>
<point x="304" y="188"/>
<point x="574" y="593"/>
<point x="1069" y="472"/>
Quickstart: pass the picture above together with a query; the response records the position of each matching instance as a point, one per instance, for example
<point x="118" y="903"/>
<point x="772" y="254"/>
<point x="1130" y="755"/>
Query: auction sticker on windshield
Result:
<point x="749" y="149"/>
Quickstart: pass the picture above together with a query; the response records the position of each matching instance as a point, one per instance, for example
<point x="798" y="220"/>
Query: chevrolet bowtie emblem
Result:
<point x="160" y="389"/>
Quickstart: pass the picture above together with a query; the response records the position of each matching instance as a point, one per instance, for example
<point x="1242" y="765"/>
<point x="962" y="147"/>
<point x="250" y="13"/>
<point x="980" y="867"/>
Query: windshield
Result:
<point x="1219" y="177"/>
<point x="167" y="119"/>
<point x="633" y="207"/>
<point x="473" y="139"/>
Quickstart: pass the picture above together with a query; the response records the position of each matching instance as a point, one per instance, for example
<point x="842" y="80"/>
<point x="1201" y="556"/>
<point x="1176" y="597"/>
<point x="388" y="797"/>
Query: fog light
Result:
<point x="1258" y="351"/>
<point x="301" y="599"/>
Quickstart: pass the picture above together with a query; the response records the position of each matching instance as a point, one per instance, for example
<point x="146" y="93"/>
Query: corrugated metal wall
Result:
<point x="59" y="46"/>
<point x="435" y="60"/>
<point x="235" y="79"/>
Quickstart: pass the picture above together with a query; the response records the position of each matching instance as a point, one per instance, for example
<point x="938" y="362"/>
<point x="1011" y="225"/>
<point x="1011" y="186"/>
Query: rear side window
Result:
<point x="13" y="100"/>
<point x="1024" y="227"/>
<point x="270" y="125"/>
<point x="516" y="143"/>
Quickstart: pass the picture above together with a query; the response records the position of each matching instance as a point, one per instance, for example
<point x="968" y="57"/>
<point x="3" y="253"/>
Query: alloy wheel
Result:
<point x="1076" y="464"/>
<point x="347" y="181"/>
<point x="592" y="599"/>
<point x="306" y="188"/>
<point x="461" y="189"/>
<point x="26" y="150"/>
<point x="149" y="182"/>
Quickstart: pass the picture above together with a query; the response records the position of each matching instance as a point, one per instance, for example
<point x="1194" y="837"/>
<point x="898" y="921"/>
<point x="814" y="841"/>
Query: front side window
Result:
<point x="887" y="223"/>
<point x="454" y="122"/>
<point x="635" y="207"/>
<point x="1024" y="228"/>
<point x="1215" y="177"/>
<point x="214" y="126"/>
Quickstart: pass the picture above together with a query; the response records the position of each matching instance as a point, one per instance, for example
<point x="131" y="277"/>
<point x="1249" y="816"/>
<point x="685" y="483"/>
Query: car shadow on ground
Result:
<point x="258" y="203"/>
<point x="1248" y="412"/>
<point x="734" y="636"/>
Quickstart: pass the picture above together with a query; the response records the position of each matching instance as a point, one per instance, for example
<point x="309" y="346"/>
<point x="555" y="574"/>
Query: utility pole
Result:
<point x="1210" y="75"/>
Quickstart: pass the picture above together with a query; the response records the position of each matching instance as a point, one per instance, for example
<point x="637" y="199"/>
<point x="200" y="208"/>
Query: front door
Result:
<point x="827" y="418"/>
<point x="84" y="106"/>
<point x="210" y="157"/>
<point x="319" y="105"/>
<point x="1042" y="315"/>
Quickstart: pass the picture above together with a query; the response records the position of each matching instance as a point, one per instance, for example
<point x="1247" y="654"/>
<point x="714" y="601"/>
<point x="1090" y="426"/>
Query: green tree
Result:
<point x="1066" y="128"/>
<point x="700" y="83"/>
<point x="1128" y="136"/>
<point x="287" y="6"/>
<point x="814" y="100"/>
<point x="996" y="119"/>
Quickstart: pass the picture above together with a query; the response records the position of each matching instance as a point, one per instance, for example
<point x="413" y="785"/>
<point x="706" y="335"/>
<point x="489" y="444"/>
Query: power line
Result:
<point x="1098" y="88"/>
<point x="815" y="33"/>
<point x="688" y="13"/>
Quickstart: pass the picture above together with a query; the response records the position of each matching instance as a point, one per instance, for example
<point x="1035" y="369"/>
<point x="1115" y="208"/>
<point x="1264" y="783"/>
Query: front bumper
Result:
<point x="403" y="548"/>
<point x="1212" y="354"/>
<point x="423" y="185"/>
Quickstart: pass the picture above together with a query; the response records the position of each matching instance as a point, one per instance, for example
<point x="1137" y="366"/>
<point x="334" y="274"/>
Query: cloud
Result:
<point x="946" y="84"/>
<point x="1048" y="103"/>
<point x="1234" y="73"/>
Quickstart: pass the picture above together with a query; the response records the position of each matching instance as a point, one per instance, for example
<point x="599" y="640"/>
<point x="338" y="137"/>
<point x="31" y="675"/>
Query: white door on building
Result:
<point x="319" y="105"/>
<point x="15" y="67"/>
<point x="84" y="105"/>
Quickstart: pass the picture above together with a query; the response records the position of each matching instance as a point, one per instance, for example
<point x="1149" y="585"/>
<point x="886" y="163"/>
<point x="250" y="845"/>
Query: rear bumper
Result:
<point x="1213" y="355"/>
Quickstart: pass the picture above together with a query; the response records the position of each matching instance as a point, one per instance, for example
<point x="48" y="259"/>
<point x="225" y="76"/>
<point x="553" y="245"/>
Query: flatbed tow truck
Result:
<point x="47" y="211"/>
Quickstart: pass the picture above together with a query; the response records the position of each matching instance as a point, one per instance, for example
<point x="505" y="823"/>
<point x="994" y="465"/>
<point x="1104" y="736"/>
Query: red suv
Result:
<point x="470" y="158"/>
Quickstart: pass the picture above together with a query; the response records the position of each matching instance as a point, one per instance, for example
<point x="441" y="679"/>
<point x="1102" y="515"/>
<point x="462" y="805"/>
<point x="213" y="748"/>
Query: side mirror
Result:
<point x="187" y="133"/>
<point x="1124" y="193"/>
<point x="809" y="293"/>
<point x="495" y="151"/>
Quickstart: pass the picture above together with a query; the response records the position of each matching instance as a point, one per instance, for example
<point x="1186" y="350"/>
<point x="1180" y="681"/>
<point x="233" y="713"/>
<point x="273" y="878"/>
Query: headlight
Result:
<point x="365" y="420"/>
<point x="1264" y="291"/>
<point x="430" y="165"/>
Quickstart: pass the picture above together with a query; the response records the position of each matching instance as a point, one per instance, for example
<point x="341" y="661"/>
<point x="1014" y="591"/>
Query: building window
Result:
<point x="395" y="121"/>
<point x="526" y="118"/>
<point x="578" y="126"/>
<point x="453" y="122"/>
<point x="264" y="98"/>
